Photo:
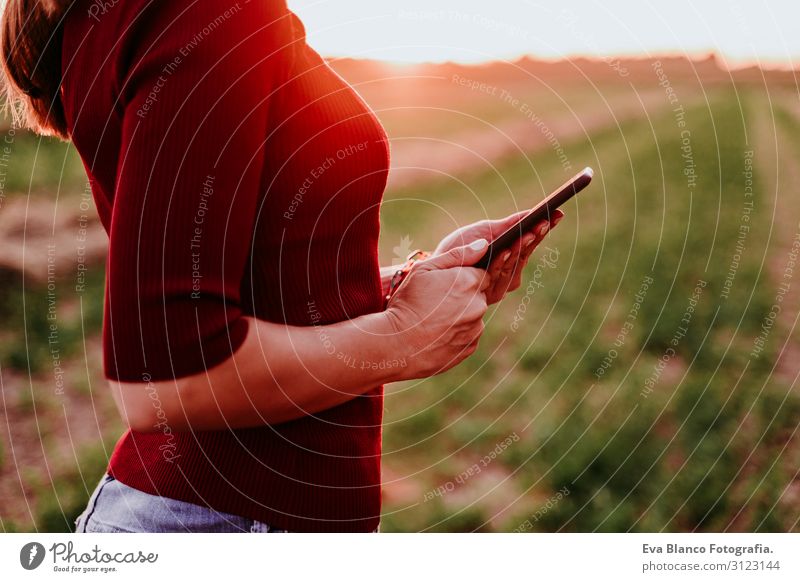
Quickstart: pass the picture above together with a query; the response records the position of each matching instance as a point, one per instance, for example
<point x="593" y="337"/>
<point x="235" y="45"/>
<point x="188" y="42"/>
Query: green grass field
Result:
<point x="629" y="385"/>
<point x="705" y="442"/>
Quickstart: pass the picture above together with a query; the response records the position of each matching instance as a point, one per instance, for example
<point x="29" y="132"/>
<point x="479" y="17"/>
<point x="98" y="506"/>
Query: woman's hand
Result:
<point x="505" y="270"/>
<point x="437" y="312"/>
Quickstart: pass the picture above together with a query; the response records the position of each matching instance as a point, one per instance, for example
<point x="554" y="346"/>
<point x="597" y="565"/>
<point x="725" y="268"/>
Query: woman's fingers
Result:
<point x="528" y="244"/>
<point x="557" y="216"/>
<point x="497" y="265"/>
<point x="500" y="272"/>
<point x="486" y="283"/>
<point x="505" y="271"/>
<point x="498" y="227"/>
<point x="510" y="277"/>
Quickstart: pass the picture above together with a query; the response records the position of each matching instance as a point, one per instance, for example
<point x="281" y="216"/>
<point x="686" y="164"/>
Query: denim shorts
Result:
<point x="116" y="508"/>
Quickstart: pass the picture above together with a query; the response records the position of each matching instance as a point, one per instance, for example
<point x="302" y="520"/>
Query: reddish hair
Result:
<point x="30" y="52"/>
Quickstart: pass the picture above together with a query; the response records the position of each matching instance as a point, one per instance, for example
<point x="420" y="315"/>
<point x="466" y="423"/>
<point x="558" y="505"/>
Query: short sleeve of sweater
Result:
<point x="194" y="98"/>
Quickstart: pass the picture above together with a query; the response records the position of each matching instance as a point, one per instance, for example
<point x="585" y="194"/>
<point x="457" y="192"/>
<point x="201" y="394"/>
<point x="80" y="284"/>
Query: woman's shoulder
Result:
<point x="258" y="12"/>
<point x="114" y="48"/>
<point x="146" y="23"/>
<point x="123" y="36"/>
<point x="99" y="10"/>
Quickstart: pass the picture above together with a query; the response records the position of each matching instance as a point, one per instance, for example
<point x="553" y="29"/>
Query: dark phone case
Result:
<point x="540" y="212"/>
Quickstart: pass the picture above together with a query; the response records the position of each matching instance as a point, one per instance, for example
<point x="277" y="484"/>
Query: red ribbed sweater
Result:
<point x="236" y="174"/>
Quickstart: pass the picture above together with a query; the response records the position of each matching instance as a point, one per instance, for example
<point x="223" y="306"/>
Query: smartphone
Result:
<point x="540" y="212"/>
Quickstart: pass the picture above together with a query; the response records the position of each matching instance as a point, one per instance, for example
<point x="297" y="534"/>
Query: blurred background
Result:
<point x="644" y="378"/>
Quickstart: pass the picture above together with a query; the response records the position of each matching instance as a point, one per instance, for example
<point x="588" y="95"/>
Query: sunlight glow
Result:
<point x="742" y="32"/>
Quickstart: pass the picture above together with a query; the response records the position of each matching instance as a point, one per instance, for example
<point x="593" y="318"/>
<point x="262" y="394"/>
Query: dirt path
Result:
<point x="419" y="160"/>
<point x="43" y="435"/>
<point x="38" y="231"/>
<point x="776" y="155"/>
<point x="39" y="227"/>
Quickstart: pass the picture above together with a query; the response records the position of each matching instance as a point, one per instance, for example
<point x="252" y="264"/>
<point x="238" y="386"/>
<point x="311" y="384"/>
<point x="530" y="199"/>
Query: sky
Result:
<point x="740" y="31"/>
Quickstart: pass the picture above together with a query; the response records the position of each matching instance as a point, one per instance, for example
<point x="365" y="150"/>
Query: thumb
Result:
<point x="465" y="256"/>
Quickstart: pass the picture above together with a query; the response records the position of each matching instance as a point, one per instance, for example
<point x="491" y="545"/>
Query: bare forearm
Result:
<point x="281" y="373"/>
<point x="278" y="374"/>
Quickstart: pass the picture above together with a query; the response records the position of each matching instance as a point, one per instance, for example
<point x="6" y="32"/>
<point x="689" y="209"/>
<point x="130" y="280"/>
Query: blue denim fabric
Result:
<point x="114" y="507"/>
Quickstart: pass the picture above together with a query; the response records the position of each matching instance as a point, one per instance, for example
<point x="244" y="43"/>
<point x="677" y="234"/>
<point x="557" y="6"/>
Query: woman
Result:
<point x="246" y="336"/>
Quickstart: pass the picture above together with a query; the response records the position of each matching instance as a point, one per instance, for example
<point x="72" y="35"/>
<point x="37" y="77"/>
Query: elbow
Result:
<point x="142" y="419"/>
<point x="154" y="408"/>
<point x="140" y="423"/>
